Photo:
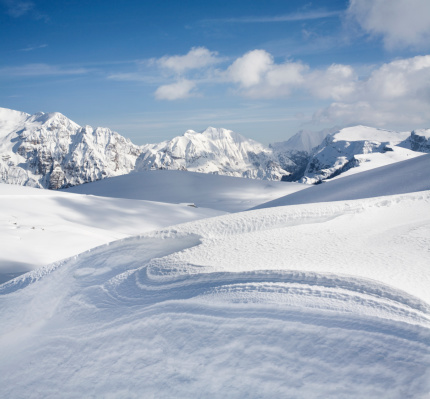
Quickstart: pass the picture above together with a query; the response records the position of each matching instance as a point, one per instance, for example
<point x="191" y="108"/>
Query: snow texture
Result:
<point x="321" y="300"/>
<point x="38" y="227"/>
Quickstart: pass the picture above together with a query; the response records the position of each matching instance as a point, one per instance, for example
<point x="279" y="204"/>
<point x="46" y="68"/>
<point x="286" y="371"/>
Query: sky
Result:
<point x="153" y="69"/>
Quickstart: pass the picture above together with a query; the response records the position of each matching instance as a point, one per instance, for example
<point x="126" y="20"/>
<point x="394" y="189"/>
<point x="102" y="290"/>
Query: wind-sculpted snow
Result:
<point x="38" y="227"/>
<point x="327" y="300"/>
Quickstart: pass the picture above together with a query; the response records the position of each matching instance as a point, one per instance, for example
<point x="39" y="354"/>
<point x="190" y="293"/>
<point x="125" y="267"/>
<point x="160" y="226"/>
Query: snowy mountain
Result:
<point x="303" y="140"/>
<point x="51" y="151"/>
<point x="218" y="151"/>
<point x="419" y="140"/>
<point x="356" y="149"/>
<point x="402" y="177"/>
<point x="293" y="154"/>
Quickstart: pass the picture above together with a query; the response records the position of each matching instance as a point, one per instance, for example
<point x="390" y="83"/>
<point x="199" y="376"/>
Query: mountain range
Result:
<point x="48" y="150"/>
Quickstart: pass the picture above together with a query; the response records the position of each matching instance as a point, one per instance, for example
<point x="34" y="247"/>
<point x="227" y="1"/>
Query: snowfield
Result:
<point x="306" y="301"/>
<point x="225" y="193"/>
<point x="38" y="227"/>
<point x="403" y="177"/>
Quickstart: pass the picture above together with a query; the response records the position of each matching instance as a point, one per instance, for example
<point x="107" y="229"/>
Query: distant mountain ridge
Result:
<point x="51" y="151"/>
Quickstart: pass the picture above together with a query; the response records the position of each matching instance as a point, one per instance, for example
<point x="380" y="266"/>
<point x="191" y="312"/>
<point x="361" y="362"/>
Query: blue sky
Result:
<point x="151" y="70"/>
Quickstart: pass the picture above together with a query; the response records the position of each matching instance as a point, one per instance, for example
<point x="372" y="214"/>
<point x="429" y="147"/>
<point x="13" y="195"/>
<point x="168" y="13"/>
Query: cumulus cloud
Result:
<point x="259" y="76"/>
<point x="249" y="69"/>
<point x="400" y="23"/>
<point x="396" y="92"/>
<point x="336" y="82"/>
<point x="175" y="91"/>
<point x="197" y="57"/>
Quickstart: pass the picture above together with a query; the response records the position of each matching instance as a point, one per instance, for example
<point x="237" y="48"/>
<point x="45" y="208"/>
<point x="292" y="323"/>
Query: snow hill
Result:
<point x="38" y="227"/>
<point x="326" y="300"/>
<point x="224" y="193"/>
<point x="402" y="177"/>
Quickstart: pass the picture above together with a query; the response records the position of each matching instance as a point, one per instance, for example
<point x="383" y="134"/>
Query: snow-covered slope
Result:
<point x="51" y="151"/>
<point x="38" y="227"/>
<point x="316" y="301"/>
<point x="224" y="193"/>
<point x="356" y="149"/>
<point x="403" y="177"/>
<point x="218" y="151"/>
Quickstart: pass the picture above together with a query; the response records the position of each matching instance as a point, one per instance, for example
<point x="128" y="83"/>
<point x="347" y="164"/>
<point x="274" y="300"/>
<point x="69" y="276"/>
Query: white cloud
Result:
<point x="401" y="23"/>
<point x="299" y="16"/>
<point x="336" y="82"/>
<point x="41" y="70"/>
<point x="259" y="76"/>
<point x="395" y="93"/>
<point x="175" y="91"/>
<point x="249" y="69"/>
<point x="197" y="57"/>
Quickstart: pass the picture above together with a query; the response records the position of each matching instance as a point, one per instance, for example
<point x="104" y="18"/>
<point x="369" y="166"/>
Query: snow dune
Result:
<point x="38" y="227"/>
<point x="225" y="193"/>
<point x="407" y="176"/>
<point x="323" y="300"/>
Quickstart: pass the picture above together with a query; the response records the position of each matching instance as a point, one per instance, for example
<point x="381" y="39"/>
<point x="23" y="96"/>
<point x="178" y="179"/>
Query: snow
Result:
<point x="366" y="133"/>
<point x="325" y="298"/>
<point x="402" y="177"/>
<point x="38" y="227"/>
<point x="219" y="151"/>
<point x="356" y="149"/>
<point x="321" y="300"/>
<point x="225" y="193"/>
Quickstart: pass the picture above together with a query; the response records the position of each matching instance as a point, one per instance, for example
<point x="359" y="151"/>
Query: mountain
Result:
<point x="293" y="154"/>
<point x="419" y="140"/>
<point x="356" y="149"/>
<point x="51" y="151"/>
<point x="218" y="151"/>
<point x="402" y="177"/>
